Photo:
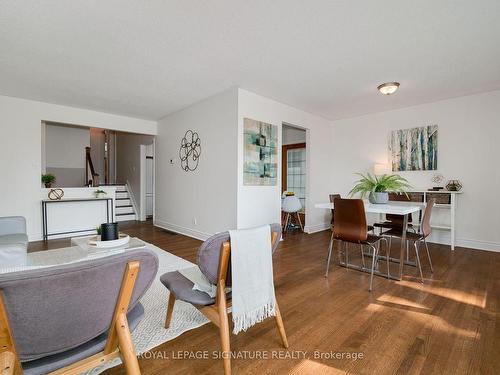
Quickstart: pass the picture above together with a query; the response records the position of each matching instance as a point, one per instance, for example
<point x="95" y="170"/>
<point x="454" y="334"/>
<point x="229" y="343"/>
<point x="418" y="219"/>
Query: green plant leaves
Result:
<point x="388" y="182"/>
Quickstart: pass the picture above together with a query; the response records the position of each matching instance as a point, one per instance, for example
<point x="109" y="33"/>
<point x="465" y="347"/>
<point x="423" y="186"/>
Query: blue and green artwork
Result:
<point x="260" y="164"/>
<point x="414" y="149"/>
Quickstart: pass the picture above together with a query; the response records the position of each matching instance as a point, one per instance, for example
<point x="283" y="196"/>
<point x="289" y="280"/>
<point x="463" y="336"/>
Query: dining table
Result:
<point x="403" y="209"/>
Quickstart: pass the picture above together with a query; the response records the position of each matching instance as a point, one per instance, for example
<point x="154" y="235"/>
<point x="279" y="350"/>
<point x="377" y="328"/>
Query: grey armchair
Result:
<point x="73" y="317"/>
<point x="13" y="240"/>
<point x="213" y="261"/>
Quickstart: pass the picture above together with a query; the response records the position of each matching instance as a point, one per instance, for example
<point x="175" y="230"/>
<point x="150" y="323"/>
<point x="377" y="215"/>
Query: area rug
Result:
<point x="151" y="332"/>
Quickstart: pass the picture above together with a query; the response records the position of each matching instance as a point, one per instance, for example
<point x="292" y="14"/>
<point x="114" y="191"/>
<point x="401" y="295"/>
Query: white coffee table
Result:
<point x="79" y="251"/>
<point x="83" y="242"/>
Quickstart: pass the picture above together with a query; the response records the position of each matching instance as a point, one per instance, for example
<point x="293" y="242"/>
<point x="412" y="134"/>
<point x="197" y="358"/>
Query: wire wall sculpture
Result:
<point x="190" y="151"/>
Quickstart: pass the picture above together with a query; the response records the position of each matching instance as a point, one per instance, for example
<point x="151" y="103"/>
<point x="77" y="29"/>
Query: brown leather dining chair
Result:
<point x="418" y="238"/>
<point x="393" y="221"/>
<point x="330" y="245"/>
<point x="332" y="199"/>
<point x="350" y="227"/>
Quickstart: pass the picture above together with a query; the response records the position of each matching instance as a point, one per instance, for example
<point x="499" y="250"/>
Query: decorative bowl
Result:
<point x="122" y="240"/>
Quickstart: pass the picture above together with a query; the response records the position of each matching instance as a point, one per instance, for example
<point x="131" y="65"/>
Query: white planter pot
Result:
<point x="379" y="198"/>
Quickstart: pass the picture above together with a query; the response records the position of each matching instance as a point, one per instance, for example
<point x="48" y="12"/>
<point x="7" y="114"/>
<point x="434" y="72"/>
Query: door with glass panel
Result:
<point x="293" y="176"/>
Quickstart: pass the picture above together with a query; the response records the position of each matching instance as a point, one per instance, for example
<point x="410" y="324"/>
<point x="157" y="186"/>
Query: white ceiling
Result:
<point x="150" y="58"/>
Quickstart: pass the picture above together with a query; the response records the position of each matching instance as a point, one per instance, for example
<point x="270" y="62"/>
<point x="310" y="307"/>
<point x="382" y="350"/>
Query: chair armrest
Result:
<point x="7" y="363"/>
<point x="12" y="225"/>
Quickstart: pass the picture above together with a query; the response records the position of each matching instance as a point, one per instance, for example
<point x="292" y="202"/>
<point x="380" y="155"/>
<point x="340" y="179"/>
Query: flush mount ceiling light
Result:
<point x="388" y="88"/>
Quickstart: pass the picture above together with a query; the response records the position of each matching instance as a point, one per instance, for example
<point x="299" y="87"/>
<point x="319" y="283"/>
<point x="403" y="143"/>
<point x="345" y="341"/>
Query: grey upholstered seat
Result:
<point x="47" y="364"/>
<point x="182" y="287"/>
<point x="62" y="314"/>
<point x="208" y="262"/>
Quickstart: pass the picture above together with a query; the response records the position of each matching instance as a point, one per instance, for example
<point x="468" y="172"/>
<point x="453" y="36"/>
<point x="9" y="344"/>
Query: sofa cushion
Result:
<point x="17" y="238"/>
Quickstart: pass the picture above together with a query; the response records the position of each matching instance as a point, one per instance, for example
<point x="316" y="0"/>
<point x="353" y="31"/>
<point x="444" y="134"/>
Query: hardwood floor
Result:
<point x="449" y="325"/>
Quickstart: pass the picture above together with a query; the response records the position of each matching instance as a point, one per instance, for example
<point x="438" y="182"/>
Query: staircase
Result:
<point x="124" y="210"/>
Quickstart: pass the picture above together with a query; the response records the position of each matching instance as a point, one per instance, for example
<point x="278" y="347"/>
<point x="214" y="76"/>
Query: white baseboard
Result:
<point x="182" y="230"/>
<point x="477" y="244"/>
<point x="316" y="228"/>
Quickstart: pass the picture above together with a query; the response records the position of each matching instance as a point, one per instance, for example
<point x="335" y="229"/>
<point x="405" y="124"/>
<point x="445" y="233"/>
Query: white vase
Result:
<point x="379" y="197"/>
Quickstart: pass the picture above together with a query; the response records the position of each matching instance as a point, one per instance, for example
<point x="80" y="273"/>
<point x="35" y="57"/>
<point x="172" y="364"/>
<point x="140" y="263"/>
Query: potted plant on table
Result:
<point x="378" y="187"/>
<point x="48" y="179"/>
<point x="99" y="193"/>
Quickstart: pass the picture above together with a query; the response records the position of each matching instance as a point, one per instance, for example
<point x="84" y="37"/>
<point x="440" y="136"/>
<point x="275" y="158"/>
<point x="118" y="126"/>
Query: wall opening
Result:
<point x="294" y="167"/>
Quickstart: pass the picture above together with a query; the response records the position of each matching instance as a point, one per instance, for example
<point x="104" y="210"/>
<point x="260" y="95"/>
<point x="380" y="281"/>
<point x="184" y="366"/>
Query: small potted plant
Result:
<point x="100" y="193"/>
<point x="48" y="179"/>
<point x="378" y="188"/>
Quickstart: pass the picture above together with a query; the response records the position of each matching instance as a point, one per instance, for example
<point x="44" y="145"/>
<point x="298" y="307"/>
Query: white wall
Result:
<point x="201" y="202"/>
<point x="21" y="154"/>
<point x="258" y="205"/>
<point x="65" y="154"/>
<point x="469" y="131"/>
<point x="130" y="166"/>
<point x="293" y="135"/>
<point x="65" y="146"/>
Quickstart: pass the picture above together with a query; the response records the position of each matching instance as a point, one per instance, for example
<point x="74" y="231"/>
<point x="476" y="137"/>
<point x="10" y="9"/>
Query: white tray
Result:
<point x="95" y="241"/>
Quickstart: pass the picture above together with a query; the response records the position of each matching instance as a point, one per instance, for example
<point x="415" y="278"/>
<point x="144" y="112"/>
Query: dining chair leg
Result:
<point x="300" y="222"/>
<point x="428" y="255"/>
<point x="330" y="247"/>
<point x="418" y="260"/>
<point x="281" y="327"/>
<point x="287" y="218"/>
<point x="339" y="252"/>
<point x="346" y="254"/>
<point x="378" y="253"/>
<point x="362" y="255"/>
<point x="388" y="254"/>
<point x="170" y="309"/>
<point x="374" y="249"/>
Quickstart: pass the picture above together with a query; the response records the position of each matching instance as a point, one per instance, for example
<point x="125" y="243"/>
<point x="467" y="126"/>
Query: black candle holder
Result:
<point x="109" y="231"/>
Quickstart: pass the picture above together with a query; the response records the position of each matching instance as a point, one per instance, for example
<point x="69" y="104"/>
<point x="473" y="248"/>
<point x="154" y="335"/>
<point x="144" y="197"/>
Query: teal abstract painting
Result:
<point x="260" y="165"/>
<point x="414" y="149"/>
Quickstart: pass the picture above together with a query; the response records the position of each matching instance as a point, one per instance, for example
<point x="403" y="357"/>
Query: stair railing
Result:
<point x="93" y="179"/>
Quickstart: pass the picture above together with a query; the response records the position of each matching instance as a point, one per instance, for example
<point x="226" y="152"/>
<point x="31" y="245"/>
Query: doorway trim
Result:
<point x="308" y="161"/>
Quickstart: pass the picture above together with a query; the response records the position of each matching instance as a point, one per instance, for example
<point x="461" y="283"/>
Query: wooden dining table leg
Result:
<point x="403" y="246"/>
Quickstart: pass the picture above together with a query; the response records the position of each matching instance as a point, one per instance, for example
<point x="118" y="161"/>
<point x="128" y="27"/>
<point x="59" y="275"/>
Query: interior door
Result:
<point x="293" y="177"/>
<point x="149" y="186"/>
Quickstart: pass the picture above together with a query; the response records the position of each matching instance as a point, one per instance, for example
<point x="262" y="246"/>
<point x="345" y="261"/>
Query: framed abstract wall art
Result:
<point x="414" y="149"/>
<point x="260" y="161"/>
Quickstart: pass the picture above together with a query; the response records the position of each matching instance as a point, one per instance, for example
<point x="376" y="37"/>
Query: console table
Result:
<point x="445" y="199"/>
<point x="45" y="202"/>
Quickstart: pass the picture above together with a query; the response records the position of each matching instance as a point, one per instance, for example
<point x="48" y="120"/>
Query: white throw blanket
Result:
<point x="252" y="277"/>
<point x="200" y="281"/>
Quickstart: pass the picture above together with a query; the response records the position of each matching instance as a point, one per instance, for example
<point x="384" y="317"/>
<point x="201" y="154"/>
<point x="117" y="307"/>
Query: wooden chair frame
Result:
<point x="218" y="314"/>
<point x="119" y="342"/>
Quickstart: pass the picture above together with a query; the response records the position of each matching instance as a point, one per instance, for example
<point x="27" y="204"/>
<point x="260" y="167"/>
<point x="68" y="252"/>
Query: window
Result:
<point x="296" y="173"/>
